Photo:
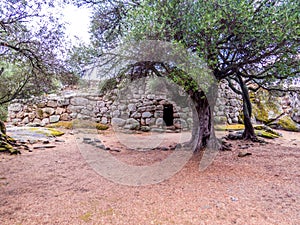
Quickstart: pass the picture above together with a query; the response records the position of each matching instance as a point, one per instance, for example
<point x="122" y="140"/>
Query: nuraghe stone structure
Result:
<point x="151" y="104"/>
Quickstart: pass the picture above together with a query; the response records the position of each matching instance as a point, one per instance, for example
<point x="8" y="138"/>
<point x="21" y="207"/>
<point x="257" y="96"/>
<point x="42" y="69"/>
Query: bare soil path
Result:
<point x="57" y="186"/>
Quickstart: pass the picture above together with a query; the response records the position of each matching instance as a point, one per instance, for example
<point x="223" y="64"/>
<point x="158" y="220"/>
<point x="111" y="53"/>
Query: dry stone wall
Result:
<point x="134" y="108"/>
<point x="228" y="107"/>
<point x="139" y="108"/>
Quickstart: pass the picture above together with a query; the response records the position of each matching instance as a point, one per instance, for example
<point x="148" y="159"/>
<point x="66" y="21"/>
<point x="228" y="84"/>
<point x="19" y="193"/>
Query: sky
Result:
<point x="78" y="23"/>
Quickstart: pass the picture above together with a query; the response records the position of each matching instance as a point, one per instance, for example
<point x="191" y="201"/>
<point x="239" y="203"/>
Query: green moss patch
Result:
<point x="6" y="144"/>
<point x="230" y="127"/>
<point x="49" y="132"/>
<point x="266" y="134"/>
<point x="266" y="128"/>
<point x="266" y="107"/>
<point x="286" y="123"/>
<point x="260" y="130"/>
<point x="33" y="132"/>
<point x="78" y="124"/>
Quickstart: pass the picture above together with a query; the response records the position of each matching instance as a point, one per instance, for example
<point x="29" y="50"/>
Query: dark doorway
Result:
<point x="168" y="115"/>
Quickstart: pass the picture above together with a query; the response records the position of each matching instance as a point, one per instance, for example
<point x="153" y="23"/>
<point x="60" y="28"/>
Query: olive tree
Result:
<point x="31" y="53"/>
<point x="31" y="48"/>
<point x="240" y="42"/>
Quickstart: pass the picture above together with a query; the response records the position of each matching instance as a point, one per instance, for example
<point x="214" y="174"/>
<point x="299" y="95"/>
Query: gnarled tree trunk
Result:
<point x="249" y="133"/>
<point x="203" y="133"/>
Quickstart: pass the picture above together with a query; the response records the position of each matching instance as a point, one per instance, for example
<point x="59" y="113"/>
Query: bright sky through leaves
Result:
<point x="77" y="20"/>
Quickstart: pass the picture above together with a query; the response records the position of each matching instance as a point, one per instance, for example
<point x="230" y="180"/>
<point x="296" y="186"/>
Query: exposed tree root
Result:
<point x="8" y="144"/>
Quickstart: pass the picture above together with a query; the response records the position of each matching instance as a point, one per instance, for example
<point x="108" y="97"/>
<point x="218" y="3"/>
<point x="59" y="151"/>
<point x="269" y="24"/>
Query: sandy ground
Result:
<point x="59" y="186"/>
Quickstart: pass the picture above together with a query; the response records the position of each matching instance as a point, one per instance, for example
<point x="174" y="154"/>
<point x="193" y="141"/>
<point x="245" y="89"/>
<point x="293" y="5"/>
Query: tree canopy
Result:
<point x="31" y="48"/>
<point x="240" y="41"/>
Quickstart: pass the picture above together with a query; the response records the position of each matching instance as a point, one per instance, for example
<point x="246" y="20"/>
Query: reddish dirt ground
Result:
<point x="57" y="186"/>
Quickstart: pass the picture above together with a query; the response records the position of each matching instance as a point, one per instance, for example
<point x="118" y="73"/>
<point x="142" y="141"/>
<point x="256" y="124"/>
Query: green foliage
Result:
<point x="226" y="32"/>
<point x="81" y="56"/>
<point x="31" y="48"/>
<point x="238" y="40"/>
<point x="255" y="39"/>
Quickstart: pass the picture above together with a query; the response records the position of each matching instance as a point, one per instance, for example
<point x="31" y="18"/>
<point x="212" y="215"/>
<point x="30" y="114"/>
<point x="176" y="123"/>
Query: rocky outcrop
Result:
<point x="276" y="111"/>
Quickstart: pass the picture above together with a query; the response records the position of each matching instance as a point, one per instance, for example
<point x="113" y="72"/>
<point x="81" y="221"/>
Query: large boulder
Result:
<point x="118" y="122"/>
<point x="54" y="118"/>
<point x="285" y="123"/>
<point x="79" y="101"/>
<point x="132" y="124"/>
<point x="266" y="108"/>
<point x="15" y="107"/>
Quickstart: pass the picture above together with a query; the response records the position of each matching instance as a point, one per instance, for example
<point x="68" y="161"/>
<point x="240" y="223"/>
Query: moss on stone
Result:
<point x="265" y="107"/>
<point x="266" y="134"/>
<point x="266" y="112"/>
<point x="78" y="124"/>
<point x="50" y="132"/>
<point x="54" y="132"/>
<point x="100" y="126"/>
<point x="266" y="128"/>
<point x="89" y="125"/>
<point x="260" y="130"/>
<point x="229" y="127"/>
<point x="6" y="147"/>
<point x="287" y="123"/>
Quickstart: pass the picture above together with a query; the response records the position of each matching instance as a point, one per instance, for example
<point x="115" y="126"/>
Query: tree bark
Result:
<point x="2" y="127"/>
<point x="203" y="133"/>
<point x="7" y="144"/>
<point x="248" y="133"/>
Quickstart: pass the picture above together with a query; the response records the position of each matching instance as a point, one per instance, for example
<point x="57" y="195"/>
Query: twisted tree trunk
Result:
<point x="248" y="133"/>
<point x="203" y="133"/>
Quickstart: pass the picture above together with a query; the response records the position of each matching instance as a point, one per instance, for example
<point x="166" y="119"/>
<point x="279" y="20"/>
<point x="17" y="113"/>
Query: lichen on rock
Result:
<point x="286" y="123"/>
<point x="50" y="132"/>
<point x="260" y="130"/>
<point x="266" y="108"/>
